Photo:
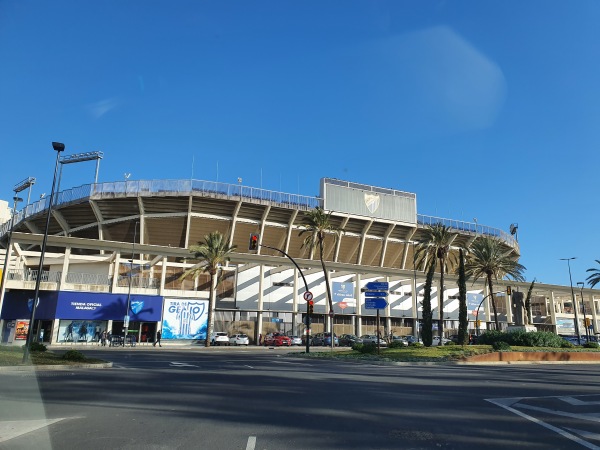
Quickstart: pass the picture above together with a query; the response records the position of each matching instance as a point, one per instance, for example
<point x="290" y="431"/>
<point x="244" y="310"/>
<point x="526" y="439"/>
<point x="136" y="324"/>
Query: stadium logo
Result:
<point x="136" y="306"/>
<point x="372" y="202"/>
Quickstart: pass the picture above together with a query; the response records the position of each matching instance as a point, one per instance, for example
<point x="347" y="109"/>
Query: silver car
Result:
<point x="372" y="339"/>
<point x="239" y="339"/>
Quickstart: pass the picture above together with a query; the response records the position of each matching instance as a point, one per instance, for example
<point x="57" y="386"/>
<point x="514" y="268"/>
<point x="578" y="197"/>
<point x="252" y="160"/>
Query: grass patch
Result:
<point x="13" y="356"/>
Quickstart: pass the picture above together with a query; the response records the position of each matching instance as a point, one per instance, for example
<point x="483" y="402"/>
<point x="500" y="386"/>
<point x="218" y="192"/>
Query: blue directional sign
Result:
<point x="378" y="286"/>
<point x="375" y="303"/>
<point x="376" y="294"/>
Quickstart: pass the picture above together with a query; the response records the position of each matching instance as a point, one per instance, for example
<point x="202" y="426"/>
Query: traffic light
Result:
<point x="508" y="290"/>
<point x="253" y="245"/>
<point x="588" y="322"/>
<point x="311" y="306"/>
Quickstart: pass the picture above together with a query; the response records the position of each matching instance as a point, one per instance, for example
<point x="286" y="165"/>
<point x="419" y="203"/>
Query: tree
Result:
<point x="317" y="225"/>
<point x="529" y="319"/>
<point x="435" y="246"/>
<point x="463" y="321"/>
<point x="594" y="278"/>
<point x="427" y="328"/>
<point x="490" y="259"/>
<point x="213" y="253"/>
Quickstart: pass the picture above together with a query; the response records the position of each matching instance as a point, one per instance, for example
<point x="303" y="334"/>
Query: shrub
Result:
<point x="501" y="346"/>
<point x="591" y="345"/>
<point x="491" y="336"/>
<point x="396" y="344"/>
<point x="36" y="347"/>
<point x="416" y="344"/>
<point x="522" y="338"/>
<point x="566" y="344"/>
<point x="450" y="343"/>
<point x="73" y="355"/>
<point x="365" y="348"/>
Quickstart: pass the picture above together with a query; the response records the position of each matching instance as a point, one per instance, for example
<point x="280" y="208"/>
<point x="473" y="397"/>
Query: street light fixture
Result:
<point x="58" y="147"/>
<point x="481" y="303"/>
<point x="581" y="284"/>
<point x="568" y="260"/>
<point x="8" y="244"/>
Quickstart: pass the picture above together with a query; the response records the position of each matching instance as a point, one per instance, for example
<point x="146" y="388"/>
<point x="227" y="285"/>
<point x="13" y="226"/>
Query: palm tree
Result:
<point x="213" y="253"/>
<point x="489" y="258"/>
<point x="463" y="321"/>
<point x="594" y="278"/>
<point x="317" y="225"/>
<point x="427" y="328"/>
<point x="435" y="246"/>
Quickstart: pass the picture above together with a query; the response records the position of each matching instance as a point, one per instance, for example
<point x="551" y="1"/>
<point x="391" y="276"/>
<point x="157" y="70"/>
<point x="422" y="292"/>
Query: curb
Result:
<point x="40" y="368"/>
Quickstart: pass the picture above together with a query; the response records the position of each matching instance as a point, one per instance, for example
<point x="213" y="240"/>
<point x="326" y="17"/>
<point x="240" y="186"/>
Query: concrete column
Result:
<point x="509" y="315"/>
<point x="357" y="297"/>
<point x="415" y="306"/>
<point x="163" y="276"/>
<point x="594" y="315"/>
<point x="116" y="265"/>
<point x="65" y="267"/>
<point x="55" y="332"/>
<point x="552" y="307"/>
<point x="295" y="312"/>
<point x="259" y="315"/>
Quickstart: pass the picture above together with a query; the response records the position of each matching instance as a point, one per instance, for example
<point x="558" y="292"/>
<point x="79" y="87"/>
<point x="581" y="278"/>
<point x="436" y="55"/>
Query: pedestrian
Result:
<point x="260" y="339"/>
<point x="103" y="337"/>
<point x="157" y="341"/>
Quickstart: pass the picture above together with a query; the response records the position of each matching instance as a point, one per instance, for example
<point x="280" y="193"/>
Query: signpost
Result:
<point x="375" y="298"/>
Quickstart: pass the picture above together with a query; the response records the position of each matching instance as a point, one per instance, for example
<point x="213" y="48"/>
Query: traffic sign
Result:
<point x="376" y="294"/>
<point x="378" y="285"/>
<point x="343" y="305"/>
<point x="308" y="296"/>
<point x="375" y="303"/>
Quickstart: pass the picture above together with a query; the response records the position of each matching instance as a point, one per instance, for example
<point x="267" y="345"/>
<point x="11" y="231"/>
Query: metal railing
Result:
<point x="468" y="227"/>
<point x="31" y="275"/>
<point x="88" y="278"/>
<point x="139" y="282"/>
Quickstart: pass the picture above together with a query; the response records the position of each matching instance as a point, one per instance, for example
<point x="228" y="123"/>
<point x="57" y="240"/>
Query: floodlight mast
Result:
<point x="79" y="157"/>
<point x="22" y="185"/>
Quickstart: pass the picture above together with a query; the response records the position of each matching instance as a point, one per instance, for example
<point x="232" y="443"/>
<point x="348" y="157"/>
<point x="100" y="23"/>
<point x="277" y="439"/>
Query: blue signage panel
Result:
<point x="276" y="320"/>
<point x="342" y="291"/>
<point x="17" y="305"/>
<point x="104" y="306"/>
<point x="376" y="294"/>
<point x="375" y="303"/>
<point x="185" y="319"/>
<point x="378" y="285"/>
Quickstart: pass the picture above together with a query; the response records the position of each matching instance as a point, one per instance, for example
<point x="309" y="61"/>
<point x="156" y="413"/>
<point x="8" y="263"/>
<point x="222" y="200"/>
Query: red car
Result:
<point x="277" y="340"/>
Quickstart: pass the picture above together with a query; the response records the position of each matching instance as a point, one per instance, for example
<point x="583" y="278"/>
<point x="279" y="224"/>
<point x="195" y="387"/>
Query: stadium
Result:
<point x="121" y="247"/>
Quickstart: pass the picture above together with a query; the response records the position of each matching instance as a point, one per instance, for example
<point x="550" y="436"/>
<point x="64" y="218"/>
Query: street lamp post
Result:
<point x="568" y="260"/>
<point x="126" y="318"/>
<point x="58" y="147"/>
<point x="581" y="284"/>
<point x="481" y="303"/>
<point x="8" y="244"/>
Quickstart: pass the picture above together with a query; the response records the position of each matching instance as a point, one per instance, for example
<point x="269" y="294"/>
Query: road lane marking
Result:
<point x="246" y="365"/>
<point x="251" y="443"/>
<point x="181" y="364"/>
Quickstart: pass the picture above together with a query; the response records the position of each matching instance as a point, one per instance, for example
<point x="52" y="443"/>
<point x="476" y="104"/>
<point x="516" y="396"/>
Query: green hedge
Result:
<point x="522" y="338"/>
<point x="365" y="348"/>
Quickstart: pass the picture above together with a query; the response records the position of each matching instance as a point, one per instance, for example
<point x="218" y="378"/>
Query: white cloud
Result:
<point x="100" y="108"/>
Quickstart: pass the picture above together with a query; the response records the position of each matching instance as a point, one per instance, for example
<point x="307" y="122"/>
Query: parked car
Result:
<point x="239" y="339"/>
<point x="372" y="339"/>
<point x="296" y="340"/>
<point x="219" y="338"/>
<point x="277" y="340"/>
<point x="348" y="340"/>
<point x="412" y="340"/>
<point x="436" y="340"/>
<point x="324" y="339"/>
<point x="399" y="340"/>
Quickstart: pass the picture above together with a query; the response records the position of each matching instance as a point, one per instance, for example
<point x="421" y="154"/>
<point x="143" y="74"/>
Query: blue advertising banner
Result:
<point x="17" y="305"/>
<point x="473" y="301"/>
<point x="343" y="292"/>
<point x="103" y="306"/>
<point x="184" y="319"/>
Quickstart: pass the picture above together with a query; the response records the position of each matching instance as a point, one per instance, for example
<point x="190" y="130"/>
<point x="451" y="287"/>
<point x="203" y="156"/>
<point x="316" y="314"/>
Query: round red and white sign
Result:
<point x="308" y="296"/>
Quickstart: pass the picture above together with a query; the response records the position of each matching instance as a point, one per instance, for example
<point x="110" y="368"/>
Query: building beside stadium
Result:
<point x="111" y="245"/>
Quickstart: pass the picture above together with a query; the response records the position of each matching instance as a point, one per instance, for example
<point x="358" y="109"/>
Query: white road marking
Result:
<point x="245" y="365"/>
<point x="504" y="403"/>
<point x="576" y="402"/>
<point x="181" y="364"/>
<point x="584" y="416"/>
<point x="11" y="429"/>
<point x="251" y="443"/>
<point x="585" y="434"/>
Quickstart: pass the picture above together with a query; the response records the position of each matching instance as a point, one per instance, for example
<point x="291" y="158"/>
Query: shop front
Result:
<point x="79" y="317"/>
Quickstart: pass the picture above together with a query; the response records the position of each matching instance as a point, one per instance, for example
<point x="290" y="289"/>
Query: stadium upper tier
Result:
<point x="179" y="213"/>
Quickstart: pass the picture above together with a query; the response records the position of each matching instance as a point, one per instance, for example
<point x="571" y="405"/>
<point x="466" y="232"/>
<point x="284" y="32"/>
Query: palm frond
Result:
<point x="594" y="278"/>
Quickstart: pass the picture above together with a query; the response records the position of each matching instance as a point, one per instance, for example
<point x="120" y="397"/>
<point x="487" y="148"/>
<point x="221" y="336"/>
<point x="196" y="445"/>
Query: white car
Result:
<point x="436" y="340"/>
<point x="239" y="339"/>
<point x="219" y="338"/>
<point x="296" y="340"/>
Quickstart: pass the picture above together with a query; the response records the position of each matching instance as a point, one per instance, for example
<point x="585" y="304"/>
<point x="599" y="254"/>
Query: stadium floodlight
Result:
<point x="59" y="148"/>
<point x="22" y="185"/>
<point x="79" y="157"/>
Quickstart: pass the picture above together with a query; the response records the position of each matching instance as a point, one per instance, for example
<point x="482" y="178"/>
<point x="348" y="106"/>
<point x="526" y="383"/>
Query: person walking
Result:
<point x="103" y="337"/>
<point x="157" y="341"/>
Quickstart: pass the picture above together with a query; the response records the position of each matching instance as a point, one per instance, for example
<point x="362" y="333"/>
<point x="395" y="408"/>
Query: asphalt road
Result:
<point x="260" y="399"/>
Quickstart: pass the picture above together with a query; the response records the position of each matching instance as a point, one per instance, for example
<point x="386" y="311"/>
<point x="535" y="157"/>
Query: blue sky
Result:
<point x="483" y="109"/>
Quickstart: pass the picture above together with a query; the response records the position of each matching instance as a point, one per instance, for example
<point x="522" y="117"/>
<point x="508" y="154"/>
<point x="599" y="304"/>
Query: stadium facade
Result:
<point x="126" y="243"/>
